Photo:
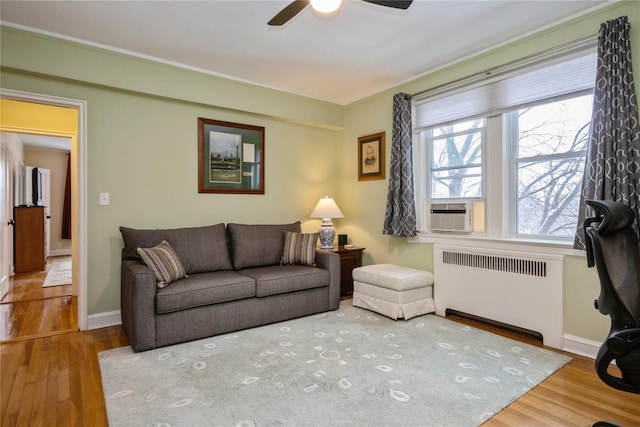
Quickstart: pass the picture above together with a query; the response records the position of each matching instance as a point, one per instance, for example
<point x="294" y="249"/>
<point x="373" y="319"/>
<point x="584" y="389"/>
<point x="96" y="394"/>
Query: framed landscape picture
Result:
<point x="371" y="157"/>
<point x="230" y="157"/>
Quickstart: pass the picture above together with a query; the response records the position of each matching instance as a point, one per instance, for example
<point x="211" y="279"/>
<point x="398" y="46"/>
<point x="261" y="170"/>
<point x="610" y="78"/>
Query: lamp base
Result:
<point x="327" y="234"/>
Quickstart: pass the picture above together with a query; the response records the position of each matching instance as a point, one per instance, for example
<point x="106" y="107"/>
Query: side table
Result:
<point x="349" y="259"/>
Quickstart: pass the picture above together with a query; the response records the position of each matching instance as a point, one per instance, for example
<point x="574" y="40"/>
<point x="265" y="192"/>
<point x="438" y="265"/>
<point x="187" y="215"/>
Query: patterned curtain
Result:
<point x="612" y="169"/>
<point x="400" y="216"/>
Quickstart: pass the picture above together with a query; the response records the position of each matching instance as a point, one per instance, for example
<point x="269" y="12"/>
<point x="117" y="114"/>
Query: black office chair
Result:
<point x="612" y="246"/>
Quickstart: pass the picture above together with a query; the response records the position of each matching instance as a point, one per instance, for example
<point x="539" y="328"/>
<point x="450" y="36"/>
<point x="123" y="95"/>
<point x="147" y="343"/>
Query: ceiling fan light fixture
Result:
<point x="326" y="6"/>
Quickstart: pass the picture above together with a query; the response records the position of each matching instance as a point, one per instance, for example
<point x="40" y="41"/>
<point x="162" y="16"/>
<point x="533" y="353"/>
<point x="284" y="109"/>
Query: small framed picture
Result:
<point x="371" y="157"/>
<point x="230" y="157"/>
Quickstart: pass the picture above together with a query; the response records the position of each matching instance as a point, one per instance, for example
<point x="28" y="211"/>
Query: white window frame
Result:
<point x="498" y="166"/>
<point x="430" y="171"/>
<point x="511" y="168"/>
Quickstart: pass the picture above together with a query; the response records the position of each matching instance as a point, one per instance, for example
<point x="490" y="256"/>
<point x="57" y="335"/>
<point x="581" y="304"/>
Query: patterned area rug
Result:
<point x="349" y="367"/>
<point x="59" y="272"/>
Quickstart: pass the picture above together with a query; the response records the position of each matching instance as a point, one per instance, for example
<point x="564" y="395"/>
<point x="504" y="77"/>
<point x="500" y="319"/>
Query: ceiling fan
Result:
<point x="327" y="6"/>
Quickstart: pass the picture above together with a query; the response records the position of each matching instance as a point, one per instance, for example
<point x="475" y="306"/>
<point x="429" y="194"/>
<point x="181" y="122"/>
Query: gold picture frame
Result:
<point x="371" y="157"/>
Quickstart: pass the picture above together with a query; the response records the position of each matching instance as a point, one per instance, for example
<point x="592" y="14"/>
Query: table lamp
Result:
<point x="327" y="209"/>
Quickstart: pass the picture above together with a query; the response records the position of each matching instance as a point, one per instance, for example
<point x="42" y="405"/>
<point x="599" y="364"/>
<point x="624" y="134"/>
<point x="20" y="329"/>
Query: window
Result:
<point x="513" y="144"/>
<point x="456" y="159"/>
<point x="548" y="149"/>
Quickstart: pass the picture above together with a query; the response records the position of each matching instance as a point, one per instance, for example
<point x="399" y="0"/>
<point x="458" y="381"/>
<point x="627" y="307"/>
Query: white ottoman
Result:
<point x="394" y="291"/>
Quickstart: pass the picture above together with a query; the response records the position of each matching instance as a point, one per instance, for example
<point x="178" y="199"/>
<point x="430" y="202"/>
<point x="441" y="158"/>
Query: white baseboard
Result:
<point x="572" y="344"/>
<point x="581" y="346"/>
<point x="60" y="252"/>
<point x="103" y="320"/>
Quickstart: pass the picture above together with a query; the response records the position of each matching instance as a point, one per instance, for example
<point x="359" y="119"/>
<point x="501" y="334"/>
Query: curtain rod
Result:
<point x="515" y="61"/>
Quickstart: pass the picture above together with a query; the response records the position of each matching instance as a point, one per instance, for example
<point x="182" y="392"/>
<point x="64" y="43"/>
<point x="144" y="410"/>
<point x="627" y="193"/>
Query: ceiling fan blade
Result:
<point x="397" y="4"/>
<point x="291" y="10"/>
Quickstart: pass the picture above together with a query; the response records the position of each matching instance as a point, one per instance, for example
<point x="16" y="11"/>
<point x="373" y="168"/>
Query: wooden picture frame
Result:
<point x="371" y="157"/>
<point x="230" y="157"/>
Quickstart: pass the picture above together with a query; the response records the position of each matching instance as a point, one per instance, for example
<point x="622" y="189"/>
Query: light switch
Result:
<point x="104" y="199"/>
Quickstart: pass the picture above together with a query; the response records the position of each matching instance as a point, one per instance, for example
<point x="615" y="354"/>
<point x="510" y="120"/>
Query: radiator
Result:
<point x="524" y="290"/>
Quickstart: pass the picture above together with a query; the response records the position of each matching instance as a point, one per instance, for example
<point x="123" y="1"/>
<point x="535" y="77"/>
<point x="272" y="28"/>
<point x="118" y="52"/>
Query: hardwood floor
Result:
<point x="572" y="396"/>
<point x="55" y="381"/>
<point x="31" y="311"/>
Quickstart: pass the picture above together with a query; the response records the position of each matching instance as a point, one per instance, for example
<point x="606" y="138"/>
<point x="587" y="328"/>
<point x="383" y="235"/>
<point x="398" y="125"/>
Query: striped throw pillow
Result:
<point x="299" y="248"/>
<point x="164" y="263"/>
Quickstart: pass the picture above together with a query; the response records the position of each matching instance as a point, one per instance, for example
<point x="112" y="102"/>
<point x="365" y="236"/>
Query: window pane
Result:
<point x="456" y="183"/>
<point x="456" y="151"/>
<point x="458" y="127"/>
<point x="456" y="159"/>
<point x="548" y="190"/>
<point x="548" y="197"/>
<point x="557" y="127"/>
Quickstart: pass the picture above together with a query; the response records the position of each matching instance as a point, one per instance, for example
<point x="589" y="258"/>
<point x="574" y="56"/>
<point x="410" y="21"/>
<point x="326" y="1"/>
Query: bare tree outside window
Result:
<point x="456" y="160"/>
<point x="548" y="157"/>
<point x="548" y="148"/>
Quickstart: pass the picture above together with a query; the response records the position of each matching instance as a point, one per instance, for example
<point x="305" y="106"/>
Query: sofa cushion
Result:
<point x="164" y="263"/>
<point x="201" y="249"/>
<point x="277" y="279"/>
<point x="204" y="289"/>
<point x="258" y="245"/>
<point x="299" y="248"/>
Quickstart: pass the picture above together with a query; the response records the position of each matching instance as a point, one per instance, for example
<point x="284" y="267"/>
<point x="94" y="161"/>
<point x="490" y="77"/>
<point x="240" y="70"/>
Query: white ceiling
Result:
<point x="362" y="50"/>
<point x="43" y="142"/>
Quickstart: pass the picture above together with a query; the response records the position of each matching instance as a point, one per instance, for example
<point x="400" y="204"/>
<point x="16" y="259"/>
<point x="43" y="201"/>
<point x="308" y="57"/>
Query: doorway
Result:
<point x="5" y="222"/>
<point x="39" y="299"/>
<point x="72" y="126"/>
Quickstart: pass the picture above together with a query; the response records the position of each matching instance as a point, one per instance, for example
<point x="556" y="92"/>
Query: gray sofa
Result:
<point x="235" y="281"/>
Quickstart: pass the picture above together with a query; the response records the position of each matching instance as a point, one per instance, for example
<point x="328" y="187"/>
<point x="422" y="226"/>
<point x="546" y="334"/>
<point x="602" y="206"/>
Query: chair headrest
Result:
<point x="614" y="216"/>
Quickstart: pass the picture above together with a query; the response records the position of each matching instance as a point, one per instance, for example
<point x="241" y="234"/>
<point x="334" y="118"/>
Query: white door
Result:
<point x="6" y="234"/>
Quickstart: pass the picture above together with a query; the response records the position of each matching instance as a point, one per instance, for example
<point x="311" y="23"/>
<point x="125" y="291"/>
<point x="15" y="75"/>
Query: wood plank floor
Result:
<point x="55" y="381"/>
<point x="572" y="396"/>
<point x="31" y="311"/>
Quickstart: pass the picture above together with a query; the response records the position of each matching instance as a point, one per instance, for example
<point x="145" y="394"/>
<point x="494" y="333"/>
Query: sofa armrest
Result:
<point x="331" y="261"/>
<point x="137" y="304"/>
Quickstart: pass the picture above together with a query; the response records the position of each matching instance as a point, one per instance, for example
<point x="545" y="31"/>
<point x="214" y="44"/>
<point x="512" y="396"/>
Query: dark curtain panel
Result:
<point x="66" y="207"/>
<point x="400" y="216"/>
<point x="612" y="169"/>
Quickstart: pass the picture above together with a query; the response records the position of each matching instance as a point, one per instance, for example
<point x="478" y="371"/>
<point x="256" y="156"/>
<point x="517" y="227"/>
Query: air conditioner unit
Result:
<point x="456" y="217"/>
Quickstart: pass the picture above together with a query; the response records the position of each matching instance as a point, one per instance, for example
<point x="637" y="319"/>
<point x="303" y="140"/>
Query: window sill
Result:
<point x="517" y="245"/>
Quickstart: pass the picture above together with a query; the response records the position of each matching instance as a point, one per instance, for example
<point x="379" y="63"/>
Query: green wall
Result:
<point x="364" y="202"/>
<point x="142" y="149"/>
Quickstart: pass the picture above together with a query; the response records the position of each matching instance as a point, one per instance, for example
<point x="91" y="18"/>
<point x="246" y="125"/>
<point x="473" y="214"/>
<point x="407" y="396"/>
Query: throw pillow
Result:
<point x="201" y="249"/>
<point x="299" y="248"/>
<point x="164" y="263"/>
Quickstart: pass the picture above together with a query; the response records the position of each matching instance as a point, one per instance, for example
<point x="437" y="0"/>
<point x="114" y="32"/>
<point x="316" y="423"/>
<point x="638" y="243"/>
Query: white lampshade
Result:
<point x="327" y="209"/>
<point x="326" y="6"/>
